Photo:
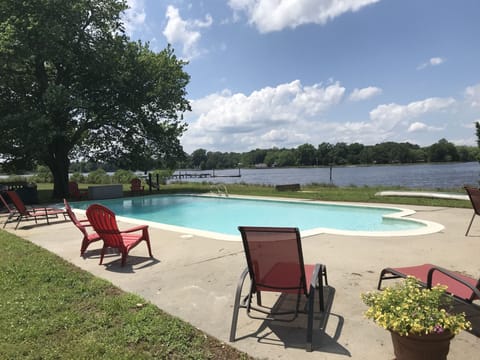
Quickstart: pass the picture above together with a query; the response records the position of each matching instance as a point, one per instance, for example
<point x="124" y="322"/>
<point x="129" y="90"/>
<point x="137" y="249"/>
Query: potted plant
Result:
<point x="419" y="319"/>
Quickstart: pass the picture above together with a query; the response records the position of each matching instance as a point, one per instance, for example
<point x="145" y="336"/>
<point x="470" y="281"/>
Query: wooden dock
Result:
<point x="200" y="175"/>
<point x="191" y="175"/>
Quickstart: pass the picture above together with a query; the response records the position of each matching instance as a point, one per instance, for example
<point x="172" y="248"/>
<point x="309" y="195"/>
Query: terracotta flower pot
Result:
<point x="421" y="347"/>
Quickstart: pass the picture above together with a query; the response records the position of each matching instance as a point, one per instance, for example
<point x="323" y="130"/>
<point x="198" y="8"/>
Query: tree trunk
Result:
<point x="59" y="164"/>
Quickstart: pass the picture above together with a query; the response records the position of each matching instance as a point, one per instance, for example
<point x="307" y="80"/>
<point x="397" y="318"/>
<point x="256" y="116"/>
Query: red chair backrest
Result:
<point x="70" y="213"/>
<point x="73" y="217"/>
<point x="73" y="188"/>
<point x="2" y="199"/>
<point x="274" y="258"/>
<point x="136" y="184"/>
<point x="17" y="202"/>
<point x="474" y="195"/>
<point x="105" y="225"/>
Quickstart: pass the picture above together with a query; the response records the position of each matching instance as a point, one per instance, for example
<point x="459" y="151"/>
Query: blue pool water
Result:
<point x="224" y="215"/>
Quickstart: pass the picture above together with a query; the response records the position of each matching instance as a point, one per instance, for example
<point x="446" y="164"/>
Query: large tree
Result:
<point x="73" y="84"/>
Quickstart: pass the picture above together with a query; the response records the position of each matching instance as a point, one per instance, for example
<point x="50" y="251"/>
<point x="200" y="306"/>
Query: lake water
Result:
<point x="427" y="176"/>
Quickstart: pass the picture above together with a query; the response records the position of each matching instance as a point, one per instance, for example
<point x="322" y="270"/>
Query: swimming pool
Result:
<point x="219" y="217"/>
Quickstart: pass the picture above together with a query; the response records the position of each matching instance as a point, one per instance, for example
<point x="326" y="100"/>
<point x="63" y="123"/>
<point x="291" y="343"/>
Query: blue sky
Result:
<point x="281" y="73"/>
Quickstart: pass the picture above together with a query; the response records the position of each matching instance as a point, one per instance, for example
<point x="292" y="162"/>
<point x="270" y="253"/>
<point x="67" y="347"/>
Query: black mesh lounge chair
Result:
<point x="461" y="287"/>
<point x="275" y="263"/>
<point x="474" y="195"/>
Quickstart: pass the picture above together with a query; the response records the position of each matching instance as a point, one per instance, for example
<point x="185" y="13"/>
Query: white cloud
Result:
<point x="266" y="116"/>
<point x="420" y="126"/>
<point x="179" y="31"/>
<point x="364" y="93"/>
<point x="291" y="114"/>
<point x="275" y="15"/>
<point x="434" y="61"/>
<point x="472" y="94"/>
<point x="417" y="126"/>
<point x="134" y="17"/>
<point x="389" y="115"/>
<point x="270" y="106"/>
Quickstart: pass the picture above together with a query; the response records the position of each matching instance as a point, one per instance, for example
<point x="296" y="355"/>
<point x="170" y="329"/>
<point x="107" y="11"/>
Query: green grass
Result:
<point x="50" y="309"/>
<point x="313" y="192"/>
<point x="327" y="193"/>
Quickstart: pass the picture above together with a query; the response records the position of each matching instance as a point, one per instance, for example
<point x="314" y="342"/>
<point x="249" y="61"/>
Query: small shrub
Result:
<point x="77" y="177"/>
<point x="98" y="176"/>
<point x="42" y="175"/>
<point x="163" y="175"/>
<point x="123" y="176"/>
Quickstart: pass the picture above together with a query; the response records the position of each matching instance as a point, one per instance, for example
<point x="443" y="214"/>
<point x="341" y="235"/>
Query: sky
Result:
<point x="282" y="73"/>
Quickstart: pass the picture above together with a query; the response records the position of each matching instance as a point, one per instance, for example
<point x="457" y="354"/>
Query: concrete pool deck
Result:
<point x="194" y="278"/>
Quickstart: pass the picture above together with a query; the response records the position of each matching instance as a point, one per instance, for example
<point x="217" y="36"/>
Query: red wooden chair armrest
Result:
<point x="136" y="228"/>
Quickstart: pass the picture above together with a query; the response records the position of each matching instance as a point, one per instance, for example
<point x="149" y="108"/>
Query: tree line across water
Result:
<point x="325" y="154"/>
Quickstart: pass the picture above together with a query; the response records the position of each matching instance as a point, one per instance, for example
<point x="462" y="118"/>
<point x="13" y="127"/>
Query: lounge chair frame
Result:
<point x="317" y="281"/>
<point x="474" y="196"/>
<point x="11" y="212"/>
<point x="425" y="274"/>
<point x="35" y="213"/>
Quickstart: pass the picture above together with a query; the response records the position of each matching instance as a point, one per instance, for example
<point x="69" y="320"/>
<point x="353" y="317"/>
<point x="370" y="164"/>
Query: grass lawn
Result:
<point x="314" y="192"/>
<point x="50" y="309"/>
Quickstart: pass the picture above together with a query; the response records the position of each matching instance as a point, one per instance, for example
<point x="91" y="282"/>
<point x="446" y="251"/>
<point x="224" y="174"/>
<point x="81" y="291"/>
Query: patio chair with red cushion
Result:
<point x="34" y="213"/>
<point x="275" y="264"/>
<point x="82" y="226"/>
<point x="461" y="287"/>
<point x="105" y="225"/>
<point x="11" y="212"/>
<point x="75" y="192"/>
<point x="136" y="186"/>
<point x="474" y="196"/>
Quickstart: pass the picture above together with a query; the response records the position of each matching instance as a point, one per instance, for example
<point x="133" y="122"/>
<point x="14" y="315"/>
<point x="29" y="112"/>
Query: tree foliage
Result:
<point x="327" y="154"/>
<point x="73" y="84"/>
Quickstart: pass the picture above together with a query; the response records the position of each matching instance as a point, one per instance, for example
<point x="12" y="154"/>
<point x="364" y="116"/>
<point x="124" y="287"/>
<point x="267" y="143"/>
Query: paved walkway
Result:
<point x="194" y="278"/>
<point x="423" y="194"/>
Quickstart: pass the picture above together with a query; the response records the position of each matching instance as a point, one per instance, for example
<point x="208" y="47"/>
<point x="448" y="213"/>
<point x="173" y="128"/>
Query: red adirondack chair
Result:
<point x="36" y="213"/>
<point x="75" y="192"/>
<point x="82" y="226"/>
<point x="136" y="186"/>
<point x="105" y="224"/>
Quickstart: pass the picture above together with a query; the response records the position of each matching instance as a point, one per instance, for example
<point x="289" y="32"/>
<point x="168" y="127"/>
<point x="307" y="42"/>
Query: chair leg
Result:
<point x="18" y="222"/>
<point x="149" y="248"/>
<point x="84" y="246"/>
<point x="236" y="305"/>
<point x="470" y="225"/>
<point x="311" y="302"/>
<point x="102" y="254"/>
<point x="124" y="257"/>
